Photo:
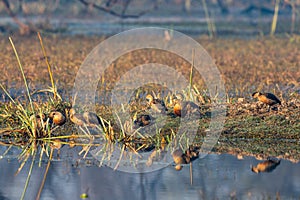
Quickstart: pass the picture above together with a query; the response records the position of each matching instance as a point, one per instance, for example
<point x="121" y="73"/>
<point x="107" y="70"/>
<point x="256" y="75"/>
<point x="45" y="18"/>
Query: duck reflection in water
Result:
<point x="266" y="166"/>
<point x="180" y="158"/>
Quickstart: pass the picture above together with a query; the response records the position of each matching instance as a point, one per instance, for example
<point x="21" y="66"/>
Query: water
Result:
<point x="214" y="177"/>
<point x="235" y="24"/>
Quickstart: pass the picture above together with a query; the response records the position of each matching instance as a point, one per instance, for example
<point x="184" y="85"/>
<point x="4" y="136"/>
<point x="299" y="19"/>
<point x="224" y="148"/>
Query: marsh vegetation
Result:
<point x="39" y="114"/>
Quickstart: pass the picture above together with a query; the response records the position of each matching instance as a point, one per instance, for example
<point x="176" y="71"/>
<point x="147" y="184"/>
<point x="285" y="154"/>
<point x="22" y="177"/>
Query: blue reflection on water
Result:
<point x="214" y="177"/>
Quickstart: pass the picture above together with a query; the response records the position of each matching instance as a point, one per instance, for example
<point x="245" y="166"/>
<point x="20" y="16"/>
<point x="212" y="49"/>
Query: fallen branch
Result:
<point x="112" y="12"/>
<point x="24" y="29"/>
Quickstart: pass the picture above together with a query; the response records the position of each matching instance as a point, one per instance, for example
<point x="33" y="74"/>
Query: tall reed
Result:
<point x="54" y="90"/>
<point x="210" y="24"/>
<point x="275" y="17"/>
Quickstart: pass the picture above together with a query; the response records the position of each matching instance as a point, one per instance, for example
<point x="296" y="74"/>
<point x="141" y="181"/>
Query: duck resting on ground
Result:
<point x="87" y="118"/>
<point x="267" y="98"/>
<point x="142" y="120"/>
<point x="57" y="118"/>
<point x="185" y="108"/>
<point x="156" y="104"/>
<point x="38" y="123"/>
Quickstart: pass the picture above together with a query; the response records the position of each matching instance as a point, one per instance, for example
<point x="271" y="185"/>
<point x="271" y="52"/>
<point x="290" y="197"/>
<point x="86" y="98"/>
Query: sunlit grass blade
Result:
<point x="191" y="74"/>
<point x="23" y="75"/>
<point x="29" y="175"/>
<point x="120" y="158"/>
<point x="121" y="124"/>
<point x="7" y="93"/>
<point x="210" y="24"/>
<point x="6" y="151"/>
<point x="45" y="175"/>
<point x="275" y="17"/>
<point x="54" y="90"/>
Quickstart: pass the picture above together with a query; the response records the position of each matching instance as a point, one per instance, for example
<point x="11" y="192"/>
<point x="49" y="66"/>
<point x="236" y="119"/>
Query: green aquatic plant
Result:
<point x="31" y="123"/>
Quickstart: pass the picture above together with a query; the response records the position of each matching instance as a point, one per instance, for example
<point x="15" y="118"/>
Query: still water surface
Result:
<point x="214" y="177"/>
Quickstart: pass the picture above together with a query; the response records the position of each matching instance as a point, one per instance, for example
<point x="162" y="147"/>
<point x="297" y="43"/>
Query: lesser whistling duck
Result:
<point x="57" y="118"/>
<point x="91" y="119"/>
<point x="156" y="104"/>
<point x="87" y="118"/>
<point x="267" y="98"/>
<point x="266" y="166"/>
<point x="76" y="118"/>
<point x="37" y="122"/>
<point x="158" y="154"/>
<point x="56" y="144"/>
<point x="142" y="120"/>
<point x="183" y="108"/>
<point x="180" y="158"/>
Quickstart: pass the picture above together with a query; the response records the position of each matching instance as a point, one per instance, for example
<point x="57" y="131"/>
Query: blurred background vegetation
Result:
<point x="193" y="17"/>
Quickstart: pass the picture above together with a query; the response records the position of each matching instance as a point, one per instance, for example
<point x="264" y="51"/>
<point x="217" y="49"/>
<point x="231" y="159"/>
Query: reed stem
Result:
<point x="48" y="65"/>
<point x="23" y="75"/>
<point x="275" y="17"/>
<point x="28" y="177"/>
<point x="45" y="175"/>
<point x="191" y="73"/>
<point x="210" y="25"/>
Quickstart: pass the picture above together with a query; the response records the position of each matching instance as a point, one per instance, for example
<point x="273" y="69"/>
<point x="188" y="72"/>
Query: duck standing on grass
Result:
<point x="37" y="120"/>
<point x="57" y="118"/>
<point x="267" y="98"/>
<point x="38" y="123"/>
<point x="156" y="104"/>
<point x="184" y="108"/>
<point x="76" y="118"/>
<point x="266" y="166"/>
<point x="142" y="120"/>
<point x="87" y="118"/>
<point x="91" y="119"/>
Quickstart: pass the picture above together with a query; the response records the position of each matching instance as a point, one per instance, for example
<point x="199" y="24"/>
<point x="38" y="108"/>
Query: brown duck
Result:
<point x="156" y="104"/>
<point x="266" y="166"/>
<point x="91" y="119"/>
<point x="142" y="120"/>
<point x="184" y="108"/>
<point x="38" y="123"/>
<point x="76" y="118"/>
<point x="181" y="158"/>
<point x="267" y="98"/>
<point x="87" y="118"/>
<point x="57" y="118"/>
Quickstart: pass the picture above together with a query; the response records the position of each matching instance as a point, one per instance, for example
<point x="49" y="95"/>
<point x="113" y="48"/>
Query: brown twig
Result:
<point x="24" y="29"/>
<point x="45" y="175"/>
<point x="112" y="12"/>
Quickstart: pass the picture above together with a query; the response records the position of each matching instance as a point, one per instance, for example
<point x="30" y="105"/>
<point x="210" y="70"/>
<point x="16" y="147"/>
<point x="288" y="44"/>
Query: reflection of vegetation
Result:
<point x="135" y="9"/>
<point x="32" y="128"/>
<point x="110" y="3"/>
<point x="249" y="128"/>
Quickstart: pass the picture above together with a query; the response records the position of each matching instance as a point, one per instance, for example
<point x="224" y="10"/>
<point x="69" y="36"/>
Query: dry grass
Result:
<point x="245" y="65"/>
